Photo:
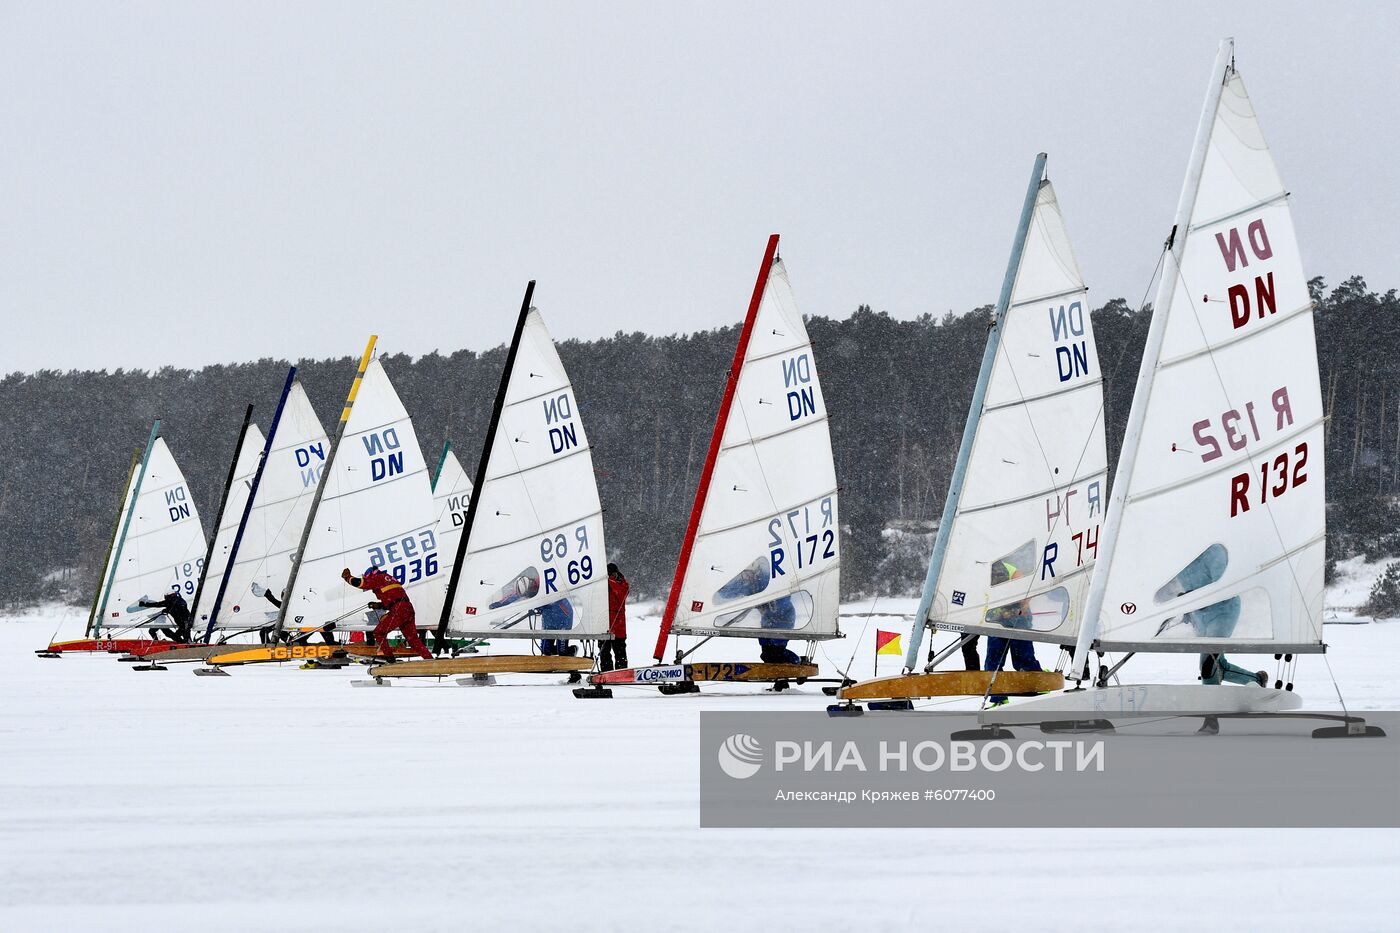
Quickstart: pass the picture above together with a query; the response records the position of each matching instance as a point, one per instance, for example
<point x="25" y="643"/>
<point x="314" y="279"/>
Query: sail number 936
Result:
<point x="409" y="559"/>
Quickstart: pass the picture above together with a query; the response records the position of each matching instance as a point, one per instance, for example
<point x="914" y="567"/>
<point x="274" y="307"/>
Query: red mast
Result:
<point x="716" y="439"/>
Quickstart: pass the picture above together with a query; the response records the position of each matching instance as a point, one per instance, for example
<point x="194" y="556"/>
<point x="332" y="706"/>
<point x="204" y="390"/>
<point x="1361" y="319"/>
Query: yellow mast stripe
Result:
<point x="359" y="376"/>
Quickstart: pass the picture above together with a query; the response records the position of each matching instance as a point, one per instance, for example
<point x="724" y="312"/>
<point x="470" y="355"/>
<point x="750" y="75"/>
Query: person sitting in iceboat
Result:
<point x="1218" y="620"/>
<point x="775" y="614"/>
<point x="1012" y="615"/>
<point x="174" y="607"/>
<point x="557" y="617"/>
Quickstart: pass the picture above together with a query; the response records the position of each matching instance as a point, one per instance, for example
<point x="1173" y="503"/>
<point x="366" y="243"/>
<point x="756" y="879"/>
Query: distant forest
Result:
<point x="897" y="392"/>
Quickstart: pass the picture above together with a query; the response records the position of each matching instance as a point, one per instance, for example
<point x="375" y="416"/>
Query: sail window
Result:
<point x="1218" y="620"/>
<point x="524" y="585"/>
<point x="1043" y="612"/>
<point x="787" y="612"/>
<point x="1015" y="565"/>
<point x="750" y="581"/>
<point x="1208" y="567"/>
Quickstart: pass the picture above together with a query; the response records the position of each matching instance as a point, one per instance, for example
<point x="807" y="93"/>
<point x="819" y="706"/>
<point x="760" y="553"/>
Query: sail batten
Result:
<point x="1054" y="393"/>
<point x="1265" y="325"/>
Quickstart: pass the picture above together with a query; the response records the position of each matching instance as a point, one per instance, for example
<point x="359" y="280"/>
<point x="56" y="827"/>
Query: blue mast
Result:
<point x="974" y="417"/>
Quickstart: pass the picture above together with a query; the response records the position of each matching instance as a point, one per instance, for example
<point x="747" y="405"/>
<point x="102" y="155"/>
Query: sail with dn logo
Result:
<point x="761" y="557"/>
<point x="1214" y="535"/>
<point x="159" y="545"/>
<point x="1021" y="523"/>
<point x="375" y="509"/>
<point x="1215" y="532"/>
<point x="272" y="517"/>
<point x="532" y="557"/>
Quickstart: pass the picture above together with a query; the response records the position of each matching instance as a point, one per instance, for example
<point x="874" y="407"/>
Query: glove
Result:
<point x="376" y="604"/>
<point x="345" y="575"/>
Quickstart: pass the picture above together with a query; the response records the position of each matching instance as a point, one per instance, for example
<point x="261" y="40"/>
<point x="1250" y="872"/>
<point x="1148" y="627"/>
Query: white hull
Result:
<point x="1149" y="699"/>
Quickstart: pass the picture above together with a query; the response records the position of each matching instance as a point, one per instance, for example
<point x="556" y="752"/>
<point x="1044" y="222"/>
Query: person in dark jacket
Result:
<point x="778" y="614"/>
<point x="177" y="610"/>
<point x="398" y="610"/>
<point x="612" y="655"/>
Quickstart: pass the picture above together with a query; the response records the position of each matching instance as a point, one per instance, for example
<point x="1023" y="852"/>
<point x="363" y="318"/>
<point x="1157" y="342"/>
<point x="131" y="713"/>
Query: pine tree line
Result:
<point x="897" y="392"/>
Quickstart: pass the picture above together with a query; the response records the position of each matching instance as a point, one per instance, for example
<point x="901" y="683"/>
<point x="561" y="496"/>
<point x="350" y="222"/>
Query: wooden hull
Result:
<point x="361" y="649"/>
<point x="1147" y="699"/>
<point x="953" y="683"/>
<point x="484" y="664"/>
<point x="711" y="671"/>
<point x="200" y="652"/>
<point x="140" y="647"/>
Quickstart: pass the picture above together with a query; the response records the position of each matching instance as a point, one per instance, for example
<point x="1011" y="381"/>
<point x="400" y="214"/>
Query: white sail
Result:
<point x="452" y="493"/>
<point x="164" y="544"/>
<point x="376" y="510"/>
<point x="766" y="556"/>
<point x="245" y="466"/>
<point x="535" y="558"/>
<point x="1220" y="538"/>
<point x="1024" y="536"/>
<point x="277" y="516"/>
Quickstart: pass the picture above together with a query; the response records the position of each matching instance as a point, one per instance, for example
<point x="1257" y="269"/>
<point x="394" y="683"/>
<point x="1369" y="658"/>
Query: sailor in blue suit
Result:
<point x="557" y="617"/>
<point x="775" y="614"/>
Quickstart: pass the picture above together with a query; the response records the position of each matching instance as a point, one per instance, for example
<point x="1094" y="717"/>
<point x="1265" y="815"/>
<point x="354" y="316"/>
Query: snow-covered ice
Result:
<point x="280" y="798"/>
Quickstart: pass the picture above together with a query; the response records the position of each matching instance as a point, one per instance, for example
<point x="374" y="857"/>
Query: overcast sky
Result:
<point x="191" y="183"/>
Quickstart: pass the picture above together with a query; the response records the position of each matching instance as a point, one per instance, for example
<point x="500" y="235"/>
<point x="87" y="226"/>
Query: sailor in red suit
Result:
<point x="398" y="610"/>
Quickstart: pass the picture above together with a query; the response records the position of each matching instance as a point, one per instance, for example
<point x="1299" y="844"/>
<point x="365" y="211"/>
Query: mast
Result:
<point x="482" y="464"/>
<point x="248" y="505"/>
<point x="974" y="417"/>
<point x="716" y="439"/>
<point x="1152" y="352"/>
<point x="112" y="542"/>
<point x="442" y="458"/>
<point x="223" y="502"/>
<point x="325" y="477"/>
<point x="115" y="559"/>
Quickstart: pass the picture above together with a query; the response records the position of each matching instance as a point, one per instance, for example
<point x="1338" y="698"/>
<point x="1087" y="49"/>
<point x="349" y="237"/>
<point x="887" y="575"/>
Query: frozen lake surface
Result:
<point x="280" y="798"/>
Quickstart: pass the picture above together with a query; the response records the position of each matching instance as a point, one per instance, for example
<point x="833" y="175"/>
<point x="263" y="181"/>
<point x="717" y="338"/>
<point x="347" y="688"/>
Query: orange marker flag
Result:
<point x="887" y="643"/>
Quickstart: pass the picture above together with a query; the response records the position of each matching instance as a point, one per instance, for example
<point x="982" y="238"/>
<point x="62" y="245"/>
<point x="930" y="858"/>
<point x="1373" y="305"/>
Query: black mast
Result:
<point x="441" y="634"/>
<point x="223" y="503"/>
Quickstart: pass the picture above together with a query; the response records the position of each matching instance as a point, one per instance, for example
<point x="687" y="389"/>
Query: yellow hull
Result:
<point x="954" y="683"/>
